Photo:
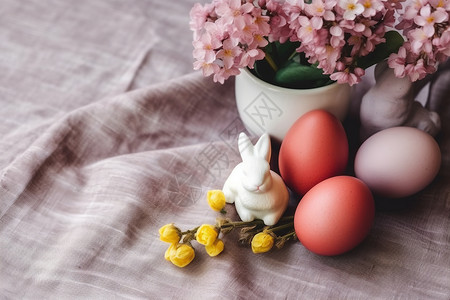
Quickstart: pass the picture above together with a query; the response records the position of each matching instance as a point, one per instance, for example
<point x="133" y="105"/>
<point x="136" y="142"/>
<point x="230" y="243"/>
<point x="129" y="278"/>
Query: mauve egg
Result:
<point x="398" y="162"/>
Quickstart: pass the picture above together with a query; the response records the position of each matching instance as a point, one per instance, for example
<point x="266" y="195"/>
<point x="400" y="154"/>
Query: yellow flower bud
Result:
<point x="181" y="255"/>
<point x="262" y="242"/>
<point x="216" y="199"/>
<point x="169" y="251"/>
<point x="215" y="248"/>
<point x="169" y="234"/>
<point x="206" y="234"/>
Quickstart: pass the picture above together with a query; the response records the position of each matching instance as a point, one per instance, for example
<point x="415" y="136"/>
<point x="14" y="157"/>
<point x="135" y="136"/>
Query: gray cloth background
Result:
<point x="107" y="134"/>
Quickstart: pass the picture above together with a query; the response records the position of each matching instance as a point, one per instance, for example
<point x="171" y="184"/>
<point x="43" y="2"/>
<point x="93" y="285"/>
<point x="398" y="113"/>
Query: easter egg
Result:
<point x="398" y="162"/>
<point x="315" y="148"/>
<point x="335" y="215"/>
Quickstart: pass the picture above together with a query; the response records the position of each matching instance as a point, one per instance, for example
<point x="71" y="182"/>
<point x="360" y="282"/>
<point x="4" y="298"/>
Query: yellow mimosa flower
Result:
<point x="206" y="234"/>
<point x="216" y="199"/>
<point x="169" y="251"/>
<point x="181" y="255"/>
<point x="170" y="234"/>
<point x="262" y="242"/>
<point x="215" y="248"/>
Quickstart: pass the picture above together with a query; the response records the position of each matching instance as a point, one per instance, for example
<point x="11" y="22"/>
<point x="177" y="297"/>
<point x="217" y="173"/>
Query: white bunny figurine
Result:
<point x="257" y="191"/>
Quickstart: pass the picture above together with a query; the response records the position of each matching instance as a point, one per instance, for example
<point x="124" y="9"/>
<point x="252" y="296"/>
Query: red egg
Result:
<point x="335" y="215"/>
<point x="315" y="148"/>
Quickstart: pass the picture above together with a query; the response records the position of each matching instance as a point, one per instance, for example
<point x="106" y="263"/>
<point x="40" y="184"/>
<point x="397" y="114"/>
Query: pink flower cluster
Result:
<point x="228" y="35"/>
<point x="334" y="34"/>
<point x="426" y="27"/>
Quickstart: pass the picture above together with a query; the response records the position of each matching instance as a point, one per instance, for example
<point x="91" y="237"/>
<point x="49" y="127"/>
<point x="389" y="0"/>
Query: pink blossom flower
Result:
<point x="216" y="30"/>
<point x="245" y="29"/>
<point x="344" y="74"/>
<point x="371" y="7"/>
<point x="337" y="36"/>
<point x="357" y="42"/>
<point x="416" y="71"/>
<point x="198" y="15"/>
<point x="420" y="41"/>
<point x="232" y="11"/>
<point x="445" y="4"/>
<point x="228" y="53"/>
<point x="389" y="18"/>
<point x="223" y="74"/>
<point x="397" y="61"/>
<point x="207" y="68"/>
<point x="442" y="43"/>
<point x="307" y="28"/>
<point x="363" y="27"/>
<point x="321" y="8"/>
<point x="278" y="22"/>
<point x="406" y="63"/>
<point x="352" y="8"/>
<point x="205" y="46"/>
<point x="413" y="8"/>
<point x="427" y="19"/>
<point x="370" y="44"/>
<point x="262" y="24"/>
<point x="328" y="59"/>
<point x="280" y="30"/>
<point x="425" y="23"/>
<point x="258" y="42"/>
<point x="295" y="7"/>
<point x="248" y="58"/>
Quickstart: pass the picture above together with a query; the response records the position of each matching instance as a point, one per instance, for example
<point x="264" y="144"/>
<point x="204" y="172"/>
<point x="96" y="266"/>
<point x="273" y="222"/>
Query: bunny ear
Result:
<point x="263" y="148"/>
<point x="245" y="146"/>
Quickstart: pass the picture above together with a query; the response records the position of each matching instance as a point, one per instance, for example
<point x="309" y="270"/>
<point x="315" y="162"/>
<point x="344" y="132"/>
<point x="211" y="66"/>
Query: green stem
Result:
<point x="256" y="222"/>
<point x="280" y="241"/>
<point x="292" y="55"/>
<point x="243" y="224"/>
<point x="281" y="227"/>
<point x="190" y="231"/>
<point x="289" y="235"/>
<point x="271" y="62"/>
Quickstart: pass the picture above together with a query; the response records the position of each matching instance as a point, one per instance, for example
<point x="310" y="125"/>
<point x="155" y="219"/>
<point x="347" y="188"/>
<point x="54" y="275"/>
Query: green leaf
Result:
<point x="295" y="75"/>
<point x="394" y="41"/>
<point x="264" y="71"/>
<point x="294" y="71"/>
<point x="284" y="51"/>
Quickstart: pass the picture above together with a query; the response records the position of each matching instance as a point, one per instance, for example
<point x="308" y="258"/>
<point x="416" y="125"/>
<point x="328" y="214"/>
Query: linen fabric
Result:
<point x="107" y="135"/>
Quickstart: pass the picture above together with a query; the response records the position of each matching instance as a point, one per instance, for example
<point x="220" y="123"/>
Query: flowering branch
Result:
<point x="426" y="26"/>
<point x="261" y="238"/>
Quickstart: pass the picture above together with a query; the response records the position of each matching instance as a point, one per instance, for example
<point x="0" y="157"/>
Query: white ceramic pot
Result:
<point x="264" y="107"/>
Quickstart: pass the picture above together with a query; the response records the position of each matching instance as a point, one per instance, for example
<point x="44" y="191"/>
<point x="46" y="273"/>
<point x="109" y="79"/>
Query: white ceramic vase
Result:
<point x="264" y="107"/>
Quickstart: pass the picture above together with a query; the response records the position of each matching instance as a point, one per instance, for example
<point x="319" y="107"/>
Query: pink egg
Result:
<point x="398" y="162"/>
<point x="335" y="215"/>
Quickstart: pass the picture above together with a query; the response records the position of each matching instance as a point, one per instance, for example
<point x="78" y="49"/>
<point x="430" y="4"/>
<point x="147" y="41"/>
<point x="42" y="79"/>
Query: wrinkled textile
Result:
<point x="107" y="134"/>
